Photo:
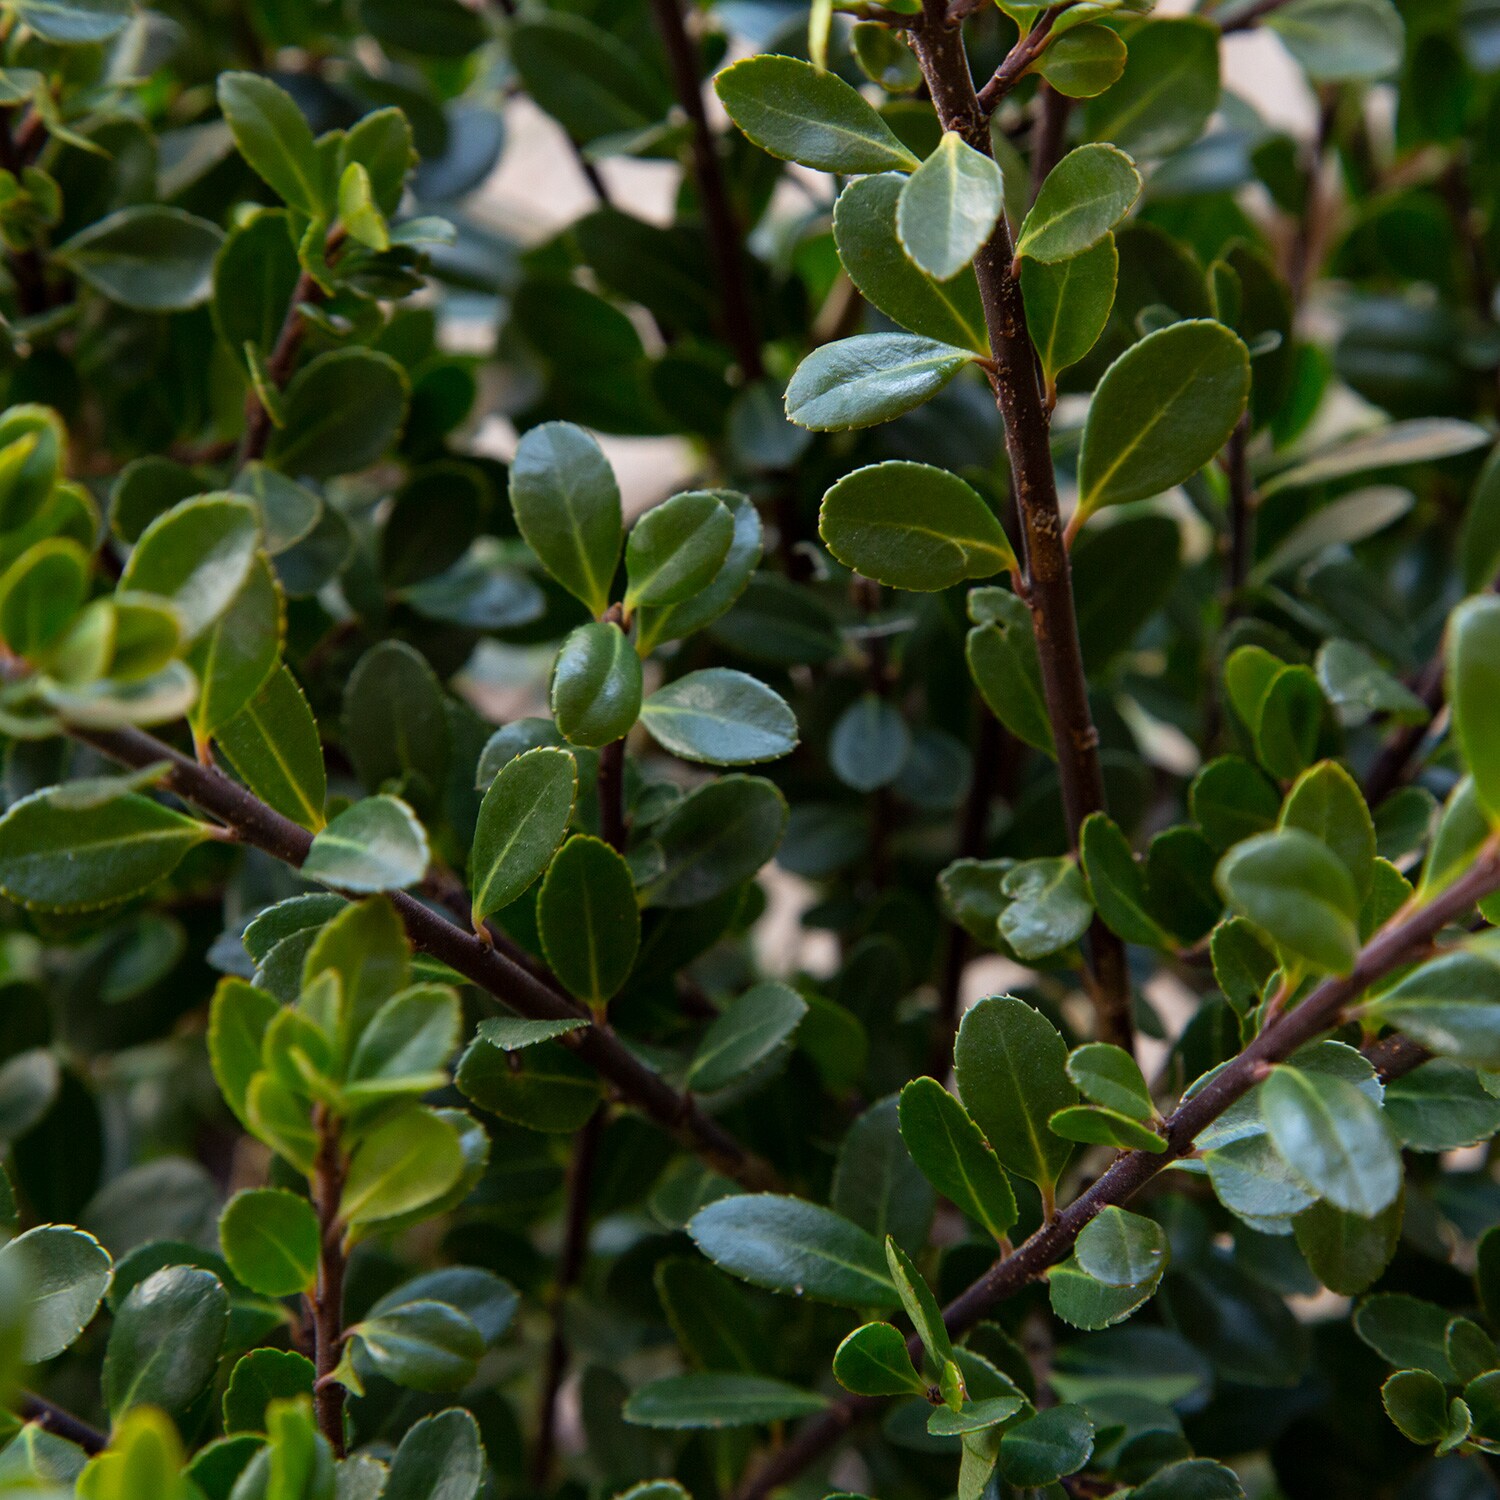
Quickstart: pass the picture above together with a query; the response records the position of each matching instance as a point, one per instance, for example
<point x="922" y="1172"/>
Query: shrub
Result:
<point x="1085" y="580"/>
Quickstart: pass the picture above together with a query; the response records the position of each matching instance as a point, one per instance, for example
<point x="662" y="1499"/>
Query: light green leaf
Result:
<point x="235" y="657"/>
<point x="872" y="1361"/>
<point x="1082" y="63"/>
<point x="41" y="593"/>
<point x="1342" y="41"/>
<point x="375" y="845"/>
<point x="1326" y="803"/>
<point x="408" y="1160"/>
<point x="790" y="109"/>
<point x="1473" y="663"/>
<point x="270" y="1239"/>
<point x="1109" y="1076"/>
<point x="1331" y="1134"/>
<point x="275" y="138"/>
<point x="864" y="230"/>
<point x="948" y="207"/>
<point x="1122" y="1249"/>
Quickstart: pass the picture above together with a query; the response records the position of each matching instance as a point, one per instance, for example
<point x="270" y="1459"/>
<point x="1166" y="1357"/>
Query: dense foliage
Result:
<point x="498" y="987"/>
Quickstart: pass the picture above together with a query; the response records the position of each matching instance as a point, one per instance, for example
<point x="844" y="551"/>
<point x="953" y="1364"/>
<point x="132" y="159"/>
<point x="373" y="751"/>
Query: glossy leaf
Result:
<point x="523" y="820"/>
<point x="676" y="548"/>
<point x="955" y="1157"/>
<point x="1085" y="195"/>
<point x="375" y="845"/>
<point x="596" y="686"/>
<point x="721" y="717"/>
<point x="948" y="207"/>
<point x="589" y="921"/>
<point x="868" y="379"/>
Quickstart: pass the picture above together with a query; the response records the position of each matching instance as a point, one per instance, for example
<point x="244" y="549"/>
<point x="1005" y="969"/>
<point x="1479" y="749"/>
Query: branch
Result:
<point x="1251" y="15"/>
<point x="1401" y="941"/>
<point x="1049" y="593"/>
<point x="1019" y="59"/>
<point x="1240" y="540"/>
<point x="482" y="964"/>
<point x="34" y="1408"/>
<point x="569" y="1270"/>
<point x="713" y="195"/>
<point x="1389" y="768"/>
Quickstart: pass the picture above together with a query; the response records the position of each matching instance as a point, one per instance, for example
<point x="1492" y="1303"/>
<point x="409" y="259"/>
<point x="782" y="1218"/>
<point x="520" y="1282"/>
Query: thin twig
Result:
<point x="33" y="1408"/>
<point x="945" y="66"/>
<point x="1240" y="535"/>
<point x="1251" y="15"/>
<point x="1398" y="943"/>
<point x="1020" y="59"/>
<point x="480" y="962"/>
<point x="569" y="1271"/>
<point x="1049" y="135"/>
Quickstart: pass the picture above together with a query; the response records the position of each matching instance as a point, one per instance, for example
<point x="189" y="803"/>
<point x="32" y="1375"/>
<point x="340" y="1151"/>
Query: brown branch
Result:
<point x="569" y="1271"/>
<point x="1401" y="941"/>
<point x="33" y="1408"/>
<point x="1240" y="537"/>
<point x="1390" y="766"/>
<point x="596" y="1044"/>
<point x="725" y="241"/>
<point x="1020" y="59"/>
<point x="1049" y="587"/>
<point x="326" y="1303"/>
<point x="1049" y="134"/>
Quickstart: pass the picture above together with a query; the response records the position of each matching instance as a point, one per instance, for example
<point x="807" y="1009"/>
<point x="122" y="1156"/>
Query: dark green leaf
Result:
<point x="714" y="1400"/>
<point x="872" y="1361"/>
<point x="523" y="820"/>
<point x="955" y="1157"/>
<point x="589" y="921"/>
<point x="596" y="685"/>
<point x="375" y="845"/>
<point x="868" y="379"/>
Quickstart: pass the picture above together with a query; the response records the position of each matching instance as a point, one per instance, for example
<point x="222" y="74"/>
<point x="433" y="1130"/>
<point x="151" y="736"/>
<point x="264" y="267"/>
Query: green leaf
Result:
<point x="1068" y="303"/>
<point x="1122" y="1249"/>
<point x="255" y="278"/>
<point x="1108" y="1075"/>
<point x="275" y="749"/>
<point x="406" y="1161"/>
<point x="1299" y="892"/>
<point x="1342" y="41"/>
<point x="1118" y="885"/>
<point x="717" y="596"/>
<point x="75" y="847"/>
<point x="440" y="1458"/>
<point x="919" y="1303"/>
<point x="790" y="109"/>
<point x="375" y="845"/>
<point x="596" y="685"/>
<point x="796" y="1247"/>
<point x="1082" y="1302"/>
<point x="270" y="1239"/>
<point x="1451" y="1005"/>
<point x="948" y="207"/>
<point x="395" y="722"/>
<point x="1359" y="688"/>
<point x="754" y="1028"/>
<point x="1085" y="195"/>
<point x="875" y="1183"/>
<point x="1342" y="522"/>
<point x="1326" y="803"/>
<point x="864" y="230"/>
<point x="1012" y="1076"/>
<point x="259" y="1378"/>
<point x="1047" y="1446"/>
<point x="523" y="820"/>
<point x="720" y="717"/>
<point x="912" y="526"/>
<point x="1161" y="411"/>
<point x="870" y="743"/>
<point x="275" y="139"/>
<point x="544" y="1088"/>
<point x="716" y="838"/>
<point x="1329" y="1132"/>
<point x="567" y="507"/>
<point x="1345" y="1252"/>
<point x="1192" y="1479"/>
<point x="1441" y="1106"/>
<point x="1082" y="63"/>
<point x="63" y="1274"/>
<point x="588" y="918"/>
<point x="239" y="1015"/>
<point x="235" y="657"/>
<point x="715" y="1400"/>
<point x="1049" y="907"/>
<point x="40" y="594"/>
<point x="868" y="379"/>
<point x="1231" y="800"/>
<point x="1093" y="1125"/>
<point x="955" y="1157"/>
<point x="357" y="211"/>
<point x="406" y="1046"/>
<point x="872" y="1361"/>
<point x="1473" y="663"/>
<point x="1418" y="1404"/>
<point x="1002" y="657"/>
<point x="199" y="555"/>
<point x="148" y="258"/>
<point x="425" y="1345"/>
<point x="1406" y="1331"/>
<point x="165" y="1342"/>
<point x="1168" y="91"/>
<point x="343" y="411"/>
<point x="676" y="548"/>
<point x="973" y="1416"/>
